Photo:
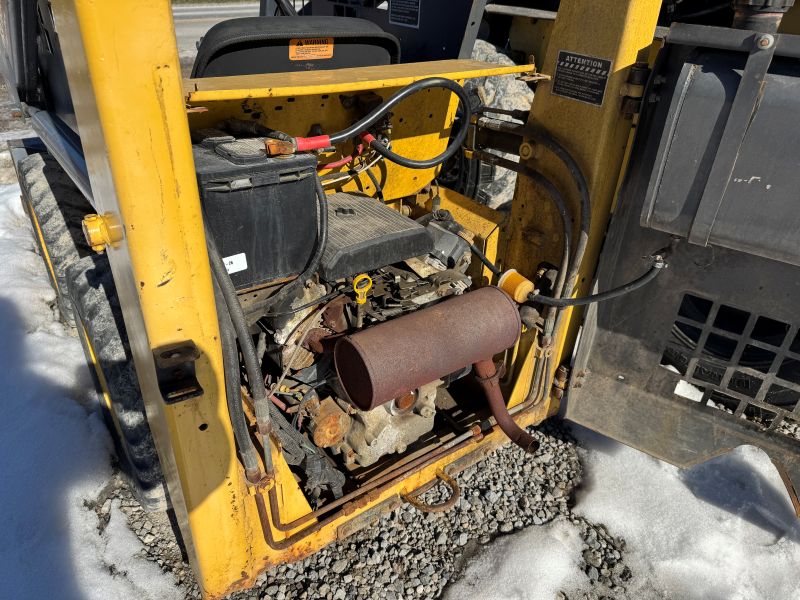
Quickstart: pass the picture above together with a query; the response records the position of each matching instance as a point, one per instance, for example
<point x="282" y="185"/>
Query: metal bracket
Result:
<point x="175" y="370"/>
<point x="744" y="107"/>
<point x="633" y="90"/>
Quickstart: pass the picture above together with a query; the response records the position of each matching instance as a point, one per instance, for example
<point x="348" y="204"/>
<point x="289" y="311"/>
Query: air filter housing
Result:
<point x="364" y="234"/>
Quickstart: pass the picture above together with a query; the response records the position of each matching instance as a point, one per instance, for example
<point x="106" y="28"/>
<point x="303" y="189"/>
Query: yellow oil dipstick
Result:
<point x="361" y="285"/>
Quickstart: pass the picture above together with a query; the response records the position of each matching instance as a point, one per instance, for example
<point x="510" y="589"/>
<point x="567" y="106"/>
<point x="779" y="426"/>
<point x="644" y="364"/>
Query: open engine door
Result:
<point x="706" y="357"/>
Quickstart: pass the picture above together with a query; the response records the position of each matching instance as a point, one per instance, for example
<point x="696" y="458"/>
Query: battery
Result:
<point x="262" y="211"/>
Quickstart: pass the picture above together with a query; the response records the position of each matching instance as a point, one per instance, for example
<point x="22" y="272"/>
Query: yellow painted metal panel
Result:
<point x="420" y="130"/>
<point x="304" y="83"/>
<point x="596" y="136"/>
<point x="124" y="75"/>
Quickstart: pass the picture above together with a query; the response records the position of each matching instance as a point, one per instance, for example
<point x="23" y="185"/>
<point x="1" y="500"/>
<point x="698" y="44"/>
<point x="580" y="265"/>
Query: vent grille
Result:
<point x="737" y="361"/>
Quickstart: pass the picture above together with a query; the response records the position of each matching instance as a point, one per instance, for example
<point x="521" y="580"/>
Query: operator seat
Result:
<point x="252" y="45"/>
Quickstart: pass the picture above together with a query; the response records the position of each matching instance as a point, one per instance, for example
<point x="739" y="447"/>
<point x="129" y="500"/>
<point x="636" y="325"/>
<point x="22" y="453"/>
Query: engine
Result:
<point x="378" y="265"/>
<point x="320" y="277"/>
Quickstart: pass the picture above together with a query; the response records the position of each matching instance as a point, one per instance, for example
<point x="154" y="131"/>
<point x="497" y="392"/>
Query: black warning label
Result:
<point x="581" y="77"/>
<point x="405" y="12"/>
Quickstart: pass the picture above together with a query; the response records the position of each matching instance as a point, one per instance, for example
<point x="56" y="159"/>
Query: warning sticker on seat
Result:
<point x="581" y="77"/>
<point x="310" y="48"/>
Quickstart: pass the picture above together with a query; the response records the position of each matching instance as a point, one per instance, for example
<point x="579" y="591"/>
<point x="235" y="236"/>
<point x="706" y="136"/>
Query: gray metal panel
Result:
<point x="725" y="173"/>
<point x="446" y="30"/>
<point x="619" y="385"/>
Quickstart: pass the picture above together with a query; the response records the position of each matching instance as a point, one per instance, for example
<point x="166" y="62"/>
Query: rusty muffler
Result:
<point x="389" y="360"/>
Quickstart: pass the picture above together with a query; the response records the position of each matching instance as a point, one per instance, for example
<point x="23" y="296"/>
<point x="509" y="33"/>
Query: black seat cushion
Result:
<point x="282" y="44"/>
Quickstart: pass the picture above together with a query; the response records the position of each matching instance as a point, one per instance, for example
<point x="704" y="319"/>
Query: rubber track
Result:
<point x="87" y="299"/>
<point x="43" y="180"/>
<point x="94" y="297"/>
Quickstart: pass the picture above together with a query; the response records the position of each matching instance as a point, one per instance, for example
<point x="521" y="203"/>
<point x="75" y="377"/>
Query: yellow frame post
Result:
<point x="125" y="79"/>
<point x="124" y="76"/>
<point x="597" y="137"/>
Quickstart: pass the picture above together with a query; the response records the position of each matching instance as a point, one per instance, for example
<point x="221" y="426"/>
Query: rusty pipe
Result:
<point x="488" y="377"/>
<point x="268" y="511"/>
<point x="391" y="359"/>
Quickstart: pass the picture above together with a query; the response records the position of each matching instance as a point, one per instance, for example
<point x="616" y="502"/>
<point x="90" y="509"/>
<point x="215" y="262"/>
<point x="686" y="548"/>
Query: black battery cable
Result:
<point x="659" y="264"/>
<point x="361" y="127"/>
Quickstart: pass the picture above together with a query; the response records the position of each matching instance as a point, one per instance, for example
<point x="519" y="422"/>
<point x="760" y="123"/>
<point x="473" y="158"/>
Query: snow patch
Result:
<point x="724" y="529"/>
<point x="54" y="447"/>
<point x="534" y="564"/>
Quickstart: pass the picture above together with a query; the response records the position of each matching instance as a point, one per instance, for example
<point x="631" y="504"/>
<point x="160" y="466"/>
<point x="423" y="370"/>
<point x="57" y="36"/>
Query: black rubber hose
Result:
<point x="376" y="183"/>
<point x="549" y="142"/>
<point x="256" y="380"/>
<point x="485" y="260"/>
<point x="378" y="113"/>
<point x="286" y="7"/>
<point x="637" y="283"/>
<point x="556" y="198"/>
<point x="233" y="390"/>
<point x="543" y="370"/>
<point x="313" y="263"/>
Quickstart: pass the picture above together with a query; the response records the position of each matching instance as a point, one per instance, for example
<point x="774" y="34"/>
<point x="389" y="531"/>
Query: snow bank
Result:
<point x="722" y="530"/>
<point x="54" y="448"/>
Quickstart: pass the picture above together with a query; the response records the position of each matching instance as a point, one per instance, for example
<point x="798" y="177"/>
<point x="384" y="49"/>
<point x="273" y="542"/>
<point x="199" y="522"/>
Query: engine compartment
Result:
<point x="378" y="266"/>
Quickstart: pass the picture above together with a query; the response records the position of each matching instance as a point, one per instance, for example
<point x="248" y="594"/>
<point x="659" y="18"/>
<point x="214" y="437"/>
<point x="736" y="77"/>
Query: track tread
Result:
<point x="86" y="295"/>
<point x="91" y="287"/>
<point x="43" y="180"/>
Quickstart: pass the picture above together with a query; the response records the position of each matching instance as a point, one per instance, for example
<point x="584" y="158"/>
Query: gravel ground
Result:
<point x="410" y="555"/>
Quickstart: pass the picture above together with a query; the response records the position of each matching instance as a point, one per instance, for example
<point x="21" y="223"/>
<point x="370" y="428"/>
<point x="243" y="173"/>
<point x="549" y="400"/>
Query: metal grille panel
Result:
<point x="742" y="362"/>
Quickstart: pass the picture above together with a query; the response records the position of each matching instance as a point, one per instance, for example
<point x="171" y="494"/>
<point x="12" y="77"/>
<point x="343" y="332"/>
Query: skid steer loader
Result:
<point x="296" y="327"/>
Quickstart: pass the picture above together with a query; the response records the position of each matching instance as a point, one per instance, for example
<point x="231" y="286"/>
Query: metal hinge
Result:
<point x="632" y="91"/>
<point x="175" y="370"/>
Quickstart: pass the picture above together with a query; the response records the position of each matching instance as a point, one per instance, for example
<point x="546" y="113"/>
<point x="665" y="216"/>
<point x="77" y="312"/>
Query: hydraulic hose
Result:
<point x="362" y="126"/>
<point x="257" y="389"/>
<point x="313" y="264"/>
<point x="658" y="266"/>
<point x="554" y="195"/>
<point x="286" y="7"/>
<point x="233" y="390"/>
<point x="549" y="142"/>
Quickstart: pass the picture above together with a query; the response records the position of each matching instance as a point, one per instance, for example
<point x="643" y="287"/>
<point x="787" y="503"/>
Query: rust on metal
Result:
<point x="406" y="402"/>
<point x="488" y="377"/>
<point x="390" y="360"/>
<point x="275" y="147"/>
<point x="328" y="423"/>
<point x="455" y="493"/>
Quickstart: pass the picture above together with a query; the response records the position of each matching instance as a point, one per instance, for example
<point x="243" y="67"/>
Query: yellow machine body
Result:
<point x="135" y="115"/>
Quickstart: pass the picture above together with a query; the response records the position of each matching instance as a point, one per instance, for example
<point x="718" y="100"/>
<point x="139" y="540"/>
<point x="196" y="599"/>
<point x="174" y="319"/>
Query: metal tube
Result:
<point x="487" y="375"/>
<point x="384" y="481"/>
<point x="764" y="17"/>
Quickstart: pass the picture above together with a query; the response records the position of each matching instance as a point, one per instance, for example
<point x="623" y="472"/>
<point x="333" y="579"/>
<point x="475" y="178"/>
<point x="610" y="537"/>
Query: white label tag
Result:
<point x="235" y="263"/>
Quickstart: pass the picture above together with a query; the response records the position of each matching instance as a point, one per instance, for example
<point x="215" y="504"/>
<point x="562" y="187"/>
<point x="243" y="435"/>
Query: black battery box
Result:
<point x="262" y="211"/>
